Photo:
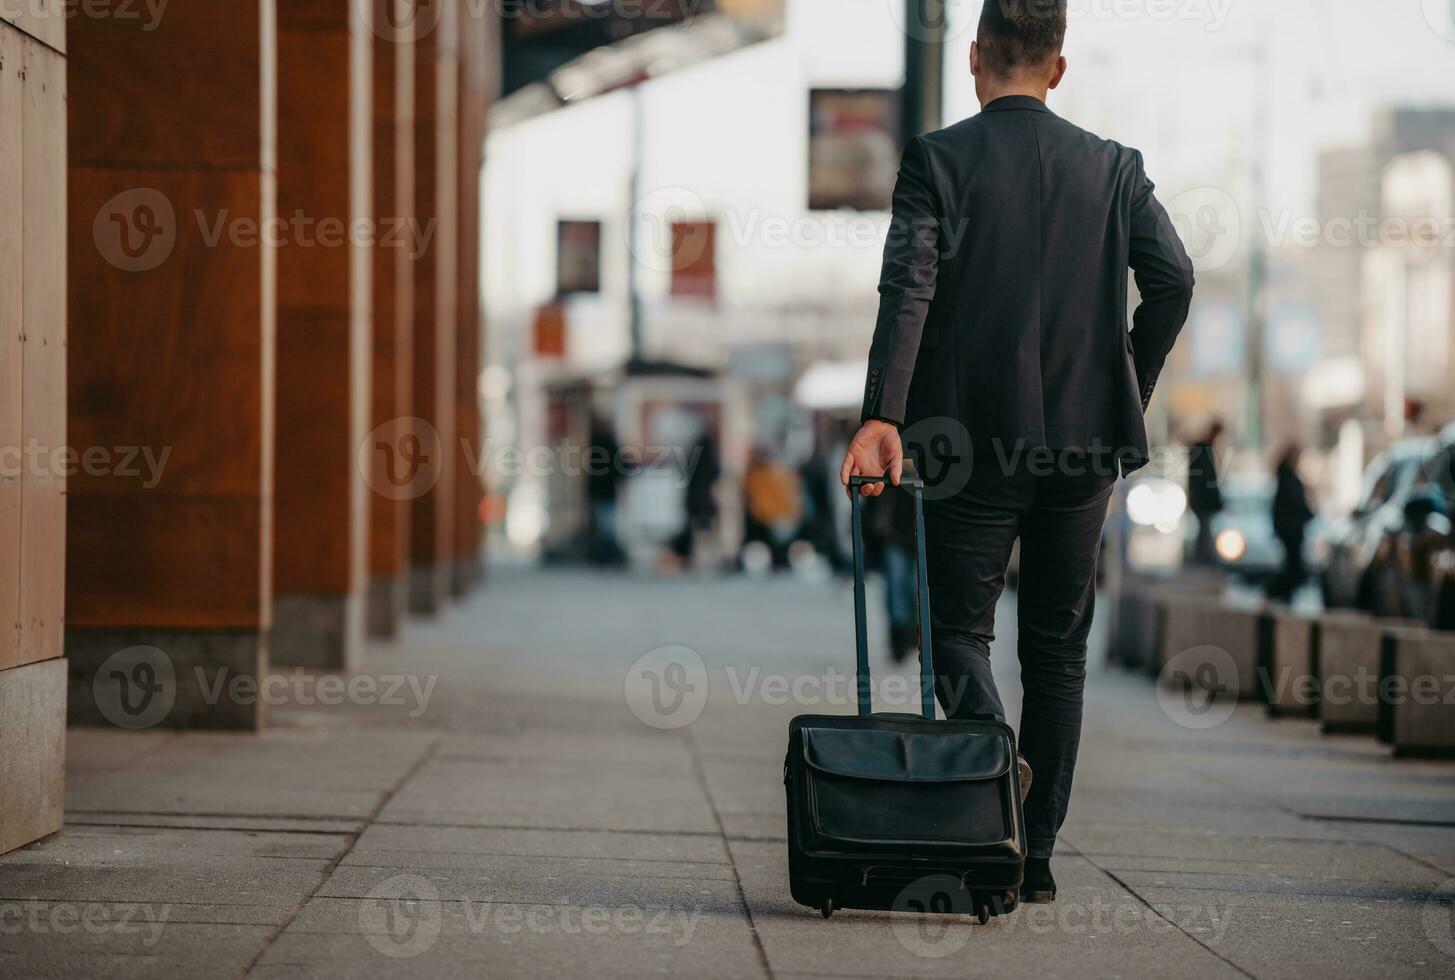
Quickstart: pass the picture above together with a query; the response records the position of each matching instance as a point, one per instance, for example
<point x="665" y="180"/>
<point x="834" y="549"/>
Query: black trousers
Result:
<point x="1056" y="508"/>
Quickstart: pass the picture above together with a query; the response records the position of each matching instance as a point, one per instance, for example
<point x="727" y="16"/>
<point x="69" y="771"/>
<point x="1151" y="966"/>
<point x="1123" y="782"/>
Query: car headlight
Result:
<point x="1231" y="544"/>
<point x="1157" y="503"/>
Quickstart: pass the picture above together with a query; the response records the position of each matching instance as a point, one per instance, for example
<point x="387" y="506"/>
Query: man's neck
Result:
<point x="1014" y="90"/>
<point x="1003" y="91"/>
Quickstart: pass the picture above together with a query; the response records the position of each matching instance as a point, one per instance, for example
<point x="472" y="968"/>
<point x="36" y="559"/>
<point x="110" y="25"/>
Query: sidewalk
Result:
<point x="497" y="806"/>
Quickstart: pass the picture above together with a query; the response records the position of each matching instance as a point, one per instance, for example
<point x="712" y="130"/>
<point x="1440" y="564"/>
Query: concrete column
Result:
<point x="325" y="331"/>
<point x="432" y="544"/>
<point x="393" y="375"/>
<point x="171" y="363"/>
<point x="34" y="454"/>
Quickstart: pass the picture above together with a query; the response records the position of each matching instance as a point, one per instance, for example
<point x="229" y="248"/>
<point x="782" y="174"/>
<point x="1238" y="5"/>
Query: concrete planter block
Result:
<point x="1417" y="682"/>
<point x="1290" y="674"/>
<point x="1212" y="645"/>
<point x="1350" y="653"/>
<point x="32" y="751"/>
<point x="1136" y="631"/>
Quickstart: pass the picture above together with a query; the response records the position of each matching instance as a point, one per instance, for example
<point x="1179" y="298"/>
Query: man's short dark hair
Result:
<point x="1021" y="33"/>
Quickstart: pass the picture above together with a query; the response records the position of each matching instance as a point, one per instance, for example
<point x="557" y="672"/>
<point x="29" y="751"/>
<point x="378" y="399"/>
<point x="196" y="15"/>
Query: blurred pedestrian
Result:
<point x="603" y="485"/>
<point x="893" y="525"/>
<point x="1001" y="311"/>
<point x="1291" y="516"/>
<point x="1204" y="492"/>
<point x="703" y="470"/>
<point x="773" y="497"/>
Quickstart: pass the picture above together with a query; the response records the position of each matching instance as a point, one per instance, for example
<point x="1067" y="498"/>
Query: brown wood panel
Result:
<point x="474" y="97"/>
<point x="169" y="359"/>
<point x="43" y="20"/>
<point x="393" y="287"/>
<point x="11" y="277"/>
<point x="43" y="409"/>
<point x="436" y="200"/>
<point x="159" y="561"/>
<point x="185" y="93"/>
<point x="171" y="337"/>
<point x="324" y="335"/>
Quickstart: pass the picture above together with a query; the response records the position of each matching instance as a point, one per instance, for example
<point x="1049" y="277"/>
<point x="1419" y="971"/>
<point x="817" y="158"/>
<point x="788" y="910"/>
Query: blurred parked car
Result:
<point x="1243" y="530"/>
<point x="1395" y="556"/>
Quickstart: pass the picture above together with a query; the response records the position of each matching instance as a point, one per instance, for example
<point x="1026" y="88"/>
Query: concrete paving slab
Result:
<point x="1094" y="929"/>
<point x="575" y="794"/>
<point x="524" y="842"/>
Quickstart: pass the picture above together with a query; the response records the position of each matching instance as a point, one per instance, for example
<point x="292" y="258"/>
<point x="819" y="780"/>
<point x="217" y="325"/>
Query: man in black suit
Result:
<point x="1003" y="315"/>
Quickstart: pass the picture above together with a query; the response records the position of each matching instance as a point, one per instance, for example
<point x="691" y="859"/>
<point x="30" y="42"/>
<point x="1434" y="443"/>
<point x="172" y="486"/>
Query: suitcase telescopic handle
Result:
<point x="921" y="599"/>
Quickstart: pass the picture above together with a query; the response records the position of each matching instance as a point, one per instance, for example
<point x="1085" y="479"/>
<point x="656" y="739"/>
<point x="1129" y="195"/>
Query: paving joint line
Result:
<point x="701" y="775"/>
<point x="323" y="878"/>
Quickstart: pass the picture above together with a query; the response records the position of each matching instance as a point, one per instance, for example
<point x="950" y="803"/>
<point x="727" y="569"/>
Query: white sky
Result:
<point x="1175" y="78"/>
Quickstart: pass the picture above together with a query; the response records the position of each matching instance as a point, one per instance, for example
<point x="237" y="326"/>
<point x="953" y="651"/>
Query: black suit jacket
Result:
<point x="1004" y="290"/>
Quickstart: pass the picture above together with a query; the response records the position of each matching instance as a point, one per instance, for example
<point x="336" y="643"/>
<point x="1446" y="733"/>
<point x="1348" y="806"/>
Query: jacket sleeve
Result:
<point x="1164" y="279"/>
<point x="906" y="287"/>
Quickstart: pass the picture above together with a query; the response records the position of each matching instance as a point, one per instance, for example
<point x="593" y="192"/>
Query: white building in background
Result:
<point x="1410" y="290"/>
<point x="725" y="141"/>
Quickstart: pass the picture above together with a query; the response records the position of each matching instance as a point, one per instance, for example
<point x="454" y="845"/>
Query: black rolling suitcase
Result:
<point x="896" y="811"/>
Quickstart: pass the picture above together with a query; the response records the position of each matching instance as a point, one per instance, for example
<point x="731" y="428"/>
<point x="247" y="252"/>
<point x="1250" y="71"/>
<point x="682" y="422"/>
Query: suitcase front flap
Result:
<point x="879" y="786"/>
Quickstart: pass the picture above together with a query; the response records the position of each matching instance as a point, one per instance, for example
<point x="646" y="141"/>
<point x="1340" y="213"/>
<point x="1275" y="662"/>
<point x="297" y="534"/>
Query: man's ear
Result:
<point x="974" y="58"/>
<point x="1059" y="73"/>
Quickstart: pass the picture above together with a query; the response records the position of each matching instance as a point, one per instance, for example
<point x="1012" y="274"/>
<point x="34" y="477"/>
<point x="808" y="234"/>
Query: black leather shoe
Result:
<point x="1039" y="888"/>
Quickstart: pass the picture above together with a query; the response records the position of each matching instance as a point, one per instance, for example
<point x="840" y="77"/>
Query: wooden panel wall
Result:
<point x="436" y="202"/>
<point x="324" y="296"/>
<point x="33" y="459"/>
<point x="171" y="130"/>
<point x="479" y="43"/>
<point x="393" y="377"/>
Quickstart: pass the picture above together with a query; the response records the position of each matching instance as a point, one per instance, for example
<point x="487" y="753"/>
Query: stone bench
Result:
<point x="1417" y="706"/>
<point x="1213" y="644"/>
<point x="1348" y="664"/>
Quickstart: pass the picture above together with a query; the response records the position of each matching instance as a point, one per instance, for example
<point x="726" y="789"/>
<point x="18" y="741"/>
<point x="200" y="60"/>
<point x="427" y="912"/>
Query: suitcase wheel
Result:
<point x="827" y="908"/>
<point x="983" y="916"/>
